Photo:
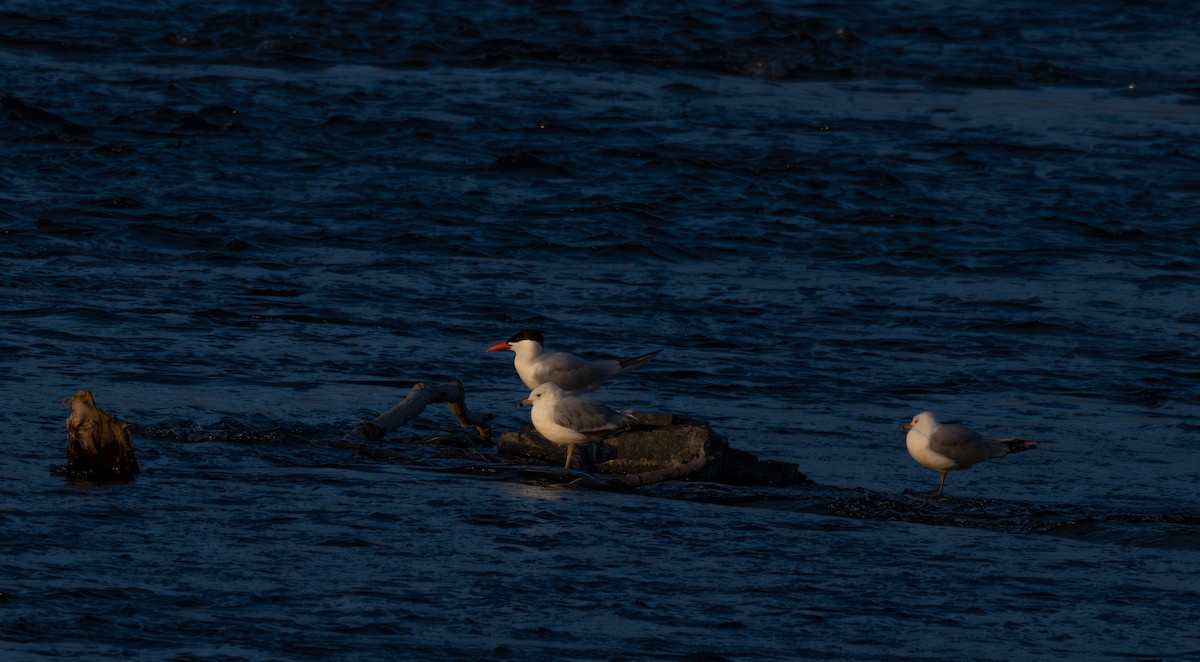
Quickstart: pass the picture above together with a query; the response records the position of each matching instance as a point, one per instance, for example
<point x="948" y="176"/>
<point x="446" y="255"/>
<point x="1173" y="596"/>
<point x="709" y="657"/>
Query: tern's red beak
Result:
<point x="499" y="346"/>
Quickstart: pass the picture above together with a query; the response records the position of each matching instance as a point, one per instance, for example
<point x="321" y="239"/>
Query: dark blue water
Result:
<point x="237" y="222"/>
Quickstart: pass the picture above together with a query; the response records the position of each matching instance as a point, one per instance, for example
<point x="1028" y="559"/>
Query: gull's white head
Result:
<point x="548" y="392"/>
<point x="923" y="422"/>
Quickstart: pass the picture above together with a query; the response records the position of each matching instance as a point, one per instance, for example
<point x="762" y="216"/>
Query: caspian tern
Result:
<point x="567" y="420"/>
<point x="945" y="448"/>
<point x="535" y="366"/>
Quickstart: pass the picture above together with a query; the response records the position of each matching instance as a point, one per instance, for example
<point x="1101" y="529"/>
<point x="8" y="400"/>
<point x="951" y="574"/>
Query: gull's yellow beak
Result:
<point x="524" y="402"/>
<point x="907" y="427"/>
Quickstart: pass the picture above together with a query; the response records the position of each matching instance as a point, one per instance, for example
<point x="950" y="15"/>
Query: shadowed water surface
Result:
<point x="237" y="223"/>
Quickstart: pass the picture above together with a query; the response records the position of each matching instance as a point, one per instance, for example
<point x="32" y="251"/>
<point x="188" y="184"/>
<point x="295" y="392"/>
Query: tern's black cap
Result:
<point x="528" y="334"/>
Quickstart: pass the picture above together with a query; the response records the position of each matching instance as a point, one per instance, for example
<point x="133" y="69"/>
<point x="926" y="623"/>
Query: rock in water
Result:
<point x="657" y="444"/>
<point x="99" y="447"/>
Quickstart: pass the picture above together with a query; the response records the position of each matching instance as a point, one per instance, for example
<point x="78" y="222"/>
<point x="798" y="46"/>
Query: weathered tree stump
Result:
<point x="99" y="447"/>
<point x="659" y="447"/>
<point x="421" y="396"/>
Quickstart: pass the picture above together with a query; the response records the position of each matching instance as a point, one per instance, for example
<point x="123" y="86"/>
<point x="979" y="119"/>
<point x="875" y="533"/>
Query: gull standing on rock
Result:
<point x="567" y="420"/>
<point x="945" y="448"/>
<point x="535" y="366"/>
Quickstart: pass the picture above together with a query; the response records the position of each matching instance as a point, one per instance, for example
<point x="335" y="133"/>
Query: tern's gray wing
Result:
<point x="589" y="417"/>
<point x="966" y="447"/>
<point x="572" y="373"/>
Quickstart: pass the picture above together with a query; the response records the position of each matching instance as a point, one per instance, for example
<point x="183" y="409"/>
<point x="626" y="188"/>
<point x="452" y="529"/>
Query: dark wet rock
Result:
<point x="659" y="447"/>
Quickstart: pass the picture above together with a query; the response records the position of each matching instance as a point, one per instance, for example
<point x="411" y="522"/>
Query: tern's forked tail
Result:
<point x="636" y="361"/>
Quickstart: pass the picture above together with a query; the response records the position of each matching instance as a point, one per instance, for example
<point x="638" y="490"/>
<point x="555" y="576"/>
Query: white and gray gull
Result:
<point x="535" y="366"/>
<point x="945" y="448"/>
<point x="567" y="420"/>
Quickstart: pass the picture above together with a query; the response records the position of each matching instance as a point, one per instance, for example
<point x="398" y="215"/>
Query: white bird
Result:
<point x="567" y="420"/>
<point x="945" y="448"/>
<point x="535" y="366"/>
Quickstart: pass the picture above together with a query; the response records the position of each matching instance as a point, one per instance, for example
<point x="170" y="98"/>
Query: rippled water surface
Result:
<point x="246" y="226"/>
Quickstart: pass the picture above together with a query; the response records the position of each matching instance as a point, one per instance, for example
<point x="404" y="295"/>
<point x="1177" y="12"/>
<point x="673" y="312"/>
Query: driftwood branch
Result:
<point x="667" y="473"/>
<point x="421" y="396"/>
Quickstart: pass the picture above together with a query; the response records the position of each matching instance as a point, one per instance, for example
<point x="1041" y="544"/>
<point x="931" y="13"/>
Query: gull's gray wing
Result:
<point x="964" y="446"/>
<point x="589" y="417"/>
